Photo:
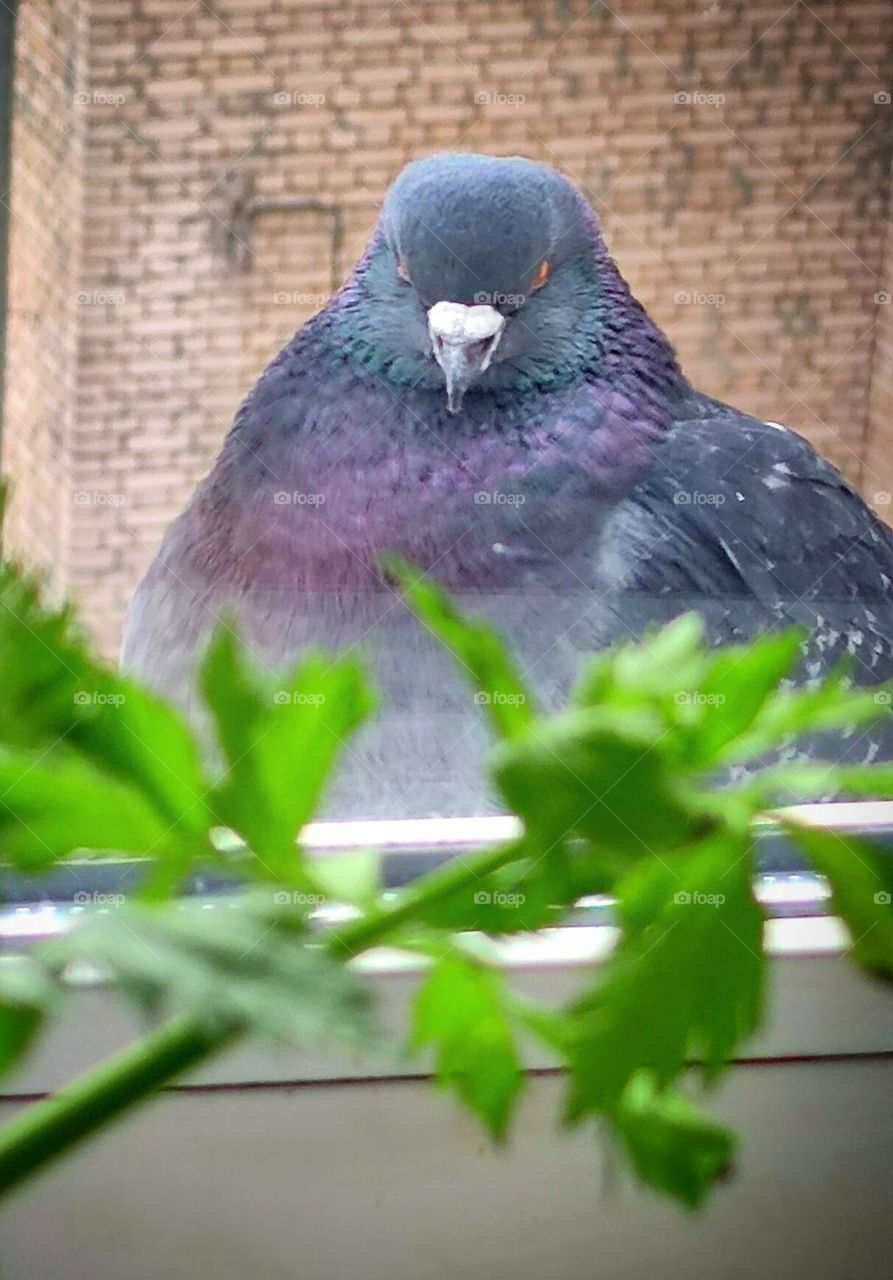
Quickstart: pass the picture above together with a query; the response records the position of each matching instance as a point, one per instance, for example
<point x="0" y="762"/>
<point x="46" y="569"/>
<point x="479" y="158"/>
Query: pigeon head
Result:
<point x="482" y="276"/>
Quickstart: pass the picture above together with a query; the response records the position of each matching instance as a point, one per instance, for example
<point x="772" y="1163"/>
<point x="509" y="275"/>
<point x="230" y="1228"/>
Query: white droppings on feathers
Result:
<point x="728" y="550"/>
<point x="853" y="640"/>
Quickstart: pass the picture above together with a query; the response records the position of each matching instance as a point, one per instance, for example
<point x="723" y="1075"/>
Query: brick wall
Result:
<point x="44" y="238"/>
<point x="739" y="155"/>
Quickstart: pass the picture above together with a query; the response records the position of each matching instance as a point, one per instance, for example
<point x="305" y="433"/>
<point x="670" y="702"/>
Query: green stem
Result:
<point x="44" y="1131"/>
<point x="432" y="888"/>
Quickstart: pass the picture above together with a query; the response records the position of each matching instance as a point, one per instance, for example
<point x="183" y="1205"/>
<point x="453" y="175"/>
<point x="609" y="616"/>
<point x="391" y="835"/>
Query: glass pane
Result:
<point x="453" y="367"/>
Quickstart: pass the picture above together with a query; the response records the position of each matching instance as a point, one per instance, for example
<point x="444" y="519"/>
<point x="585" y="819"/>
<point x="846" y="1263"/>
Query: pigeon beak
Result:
<point x="463" y="340"/>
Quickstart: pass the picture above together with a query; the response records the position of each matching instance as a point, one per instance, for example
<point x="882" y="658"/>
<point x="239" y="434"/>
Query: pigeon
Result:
<point x="485" y="397"/>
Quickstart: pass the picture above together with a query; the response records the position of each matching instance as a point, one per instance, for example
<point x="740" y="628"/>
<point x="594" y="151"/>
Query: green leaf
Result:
<point x="27" y="996"/>
<point x="280" y="744"/>
<point x="499" y="686"/>
<point x="652" y="670"/>
<point x="499" y="904"/>
<point x="136" y="736"/>
<point x="531" y="892"/>
<point x="672" y="1145"/>
<point x="797" y="783"/>
<point x="42" y="664"/>
<point x="59" y="702"/>
<point x="588" y="771"/>
<point x="250" y="962"/>
<point x="54" y="805"/>
<point x="832" y="703"/>
<point x="861" y="879"/>
<point x="353" y="878"/>
<point x="685" y="984"/>
<point x="671" y="650"/>
<point x="459" y="1010"/>
<point x="737" y="685"/>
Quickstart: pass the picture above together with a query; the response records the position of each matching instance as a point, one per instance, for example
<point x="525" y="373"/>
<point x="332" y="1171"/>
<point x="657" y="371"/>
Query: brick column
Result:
<point x="44" y="264"/>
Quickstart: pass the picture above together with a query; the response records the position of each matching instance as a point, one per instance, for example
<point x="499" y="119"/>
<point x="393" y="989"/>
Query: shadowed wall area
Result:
<point x="190" y="181"/>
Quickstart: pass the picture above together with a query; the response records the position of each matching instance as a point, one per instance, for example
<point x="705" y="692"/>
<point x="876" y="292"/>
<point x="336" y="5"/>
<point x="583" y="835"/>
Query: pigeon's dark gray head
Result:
<point x="483" y="275"/>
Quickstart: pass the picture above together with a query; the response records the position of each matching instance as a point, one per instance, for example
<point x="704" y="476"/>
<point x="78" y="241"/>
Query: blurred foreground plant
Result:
<point x="617" y="794"/>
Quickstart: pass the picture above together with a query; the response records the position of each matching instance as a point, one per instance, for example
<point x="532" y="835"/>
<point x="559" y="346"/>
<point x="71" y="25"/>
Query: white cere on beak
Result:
<point x="453" y="322"/>
<point x="463" y="340"/>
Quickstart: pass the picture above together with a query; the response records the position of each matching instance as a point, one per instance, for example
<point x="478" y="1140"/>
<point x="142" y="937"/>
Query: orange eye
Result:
<point x="402" y="272"/>
<point x="542" y="275"/>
